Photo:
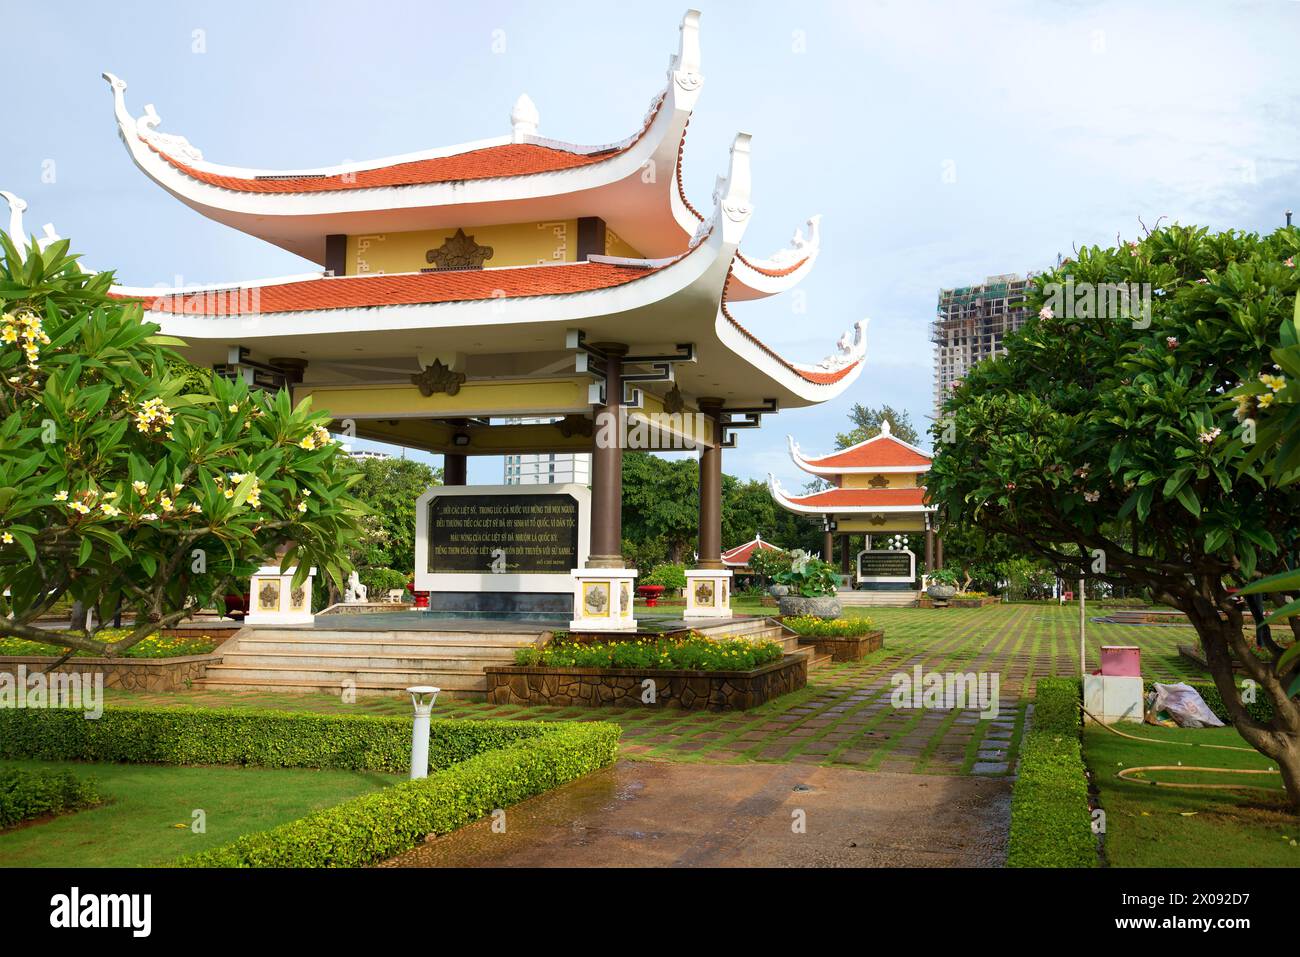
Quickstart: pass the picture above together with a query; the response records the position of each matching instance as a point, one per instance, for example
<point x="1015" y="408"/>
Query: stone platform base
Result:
<point x="624" y="688"/>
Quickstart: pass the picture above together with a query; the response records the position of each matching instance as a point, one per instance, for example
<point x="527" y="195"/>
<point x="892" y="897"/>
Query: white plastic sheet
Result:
<point x="1185" y="706"/>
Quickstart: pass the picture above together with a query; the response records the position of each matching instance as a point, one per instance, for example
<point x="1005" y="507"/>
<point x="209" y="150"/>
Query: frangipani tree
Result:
<point x="126" y="486"/>
<point x="1153" y="391"/>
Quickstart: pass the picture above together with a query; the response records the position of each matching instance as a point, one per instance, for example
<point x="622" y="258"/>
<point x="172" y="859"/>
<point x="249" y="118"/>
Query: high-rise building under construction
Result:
<point x="970" y="326"/>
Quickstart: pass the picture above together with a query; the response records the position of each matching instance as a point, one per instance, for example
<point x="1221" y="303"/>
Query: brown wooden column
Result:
<point x="607" y="467"/>
<point x="938" y="551"/>
<point x="455" y="465"/>
<point x="828" y="544"/>
<point x="710" y="540"/>
<point x="929" y="549"/>
<point x="845" y="560"/>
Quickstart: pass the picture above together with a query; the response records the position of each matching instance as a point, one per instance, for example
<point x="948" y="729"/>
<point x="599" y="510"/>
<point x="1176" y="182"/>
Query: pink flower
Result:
<point x="1171" y="342"/>
<point x="1289" y="261"/>
<point x="1045" y="313"/>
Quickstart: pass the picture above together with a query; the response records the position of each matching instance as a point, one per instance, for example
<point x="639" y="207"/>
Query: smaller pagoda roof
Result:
<point x="739" y="556"/>
<point x="883" y="453"/>
<point x="847" y="501"/>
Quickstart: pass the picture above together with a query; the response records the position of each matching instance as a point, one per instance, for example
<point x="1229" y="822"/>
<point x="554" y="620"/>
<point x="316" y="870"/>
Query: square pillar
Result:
<point x="602" y="599"/>
<point x="708" y="593"/>
<point x="272" y="599"/>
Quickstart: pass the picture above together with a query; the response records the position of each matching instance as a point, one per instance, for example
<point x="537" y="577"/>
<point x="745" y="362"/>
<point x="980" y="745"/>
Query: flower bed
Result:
<point x="972" y="599"/>
<point x="475" y="767"/>
<point x="693" y="653"/>
<point x="844" y="639"/>
<point x="155" y="646"/>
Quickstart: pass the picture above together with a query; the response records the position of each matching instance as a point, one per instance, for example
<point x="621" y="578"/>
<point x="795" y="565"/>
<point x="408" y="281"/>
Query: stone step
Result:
<point x="358" y="649"/>
<point x="878" y="599"/>
<point x="368" y="636"/>
<point x="372" y="677"/>
<point x="316" y="662"/>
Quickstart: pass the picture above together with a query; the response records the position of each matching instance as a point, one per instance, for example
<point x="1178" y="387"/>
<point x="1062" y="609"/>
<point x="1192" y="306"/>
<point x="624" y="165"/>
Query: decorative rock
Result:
<point x="826" y="606"/>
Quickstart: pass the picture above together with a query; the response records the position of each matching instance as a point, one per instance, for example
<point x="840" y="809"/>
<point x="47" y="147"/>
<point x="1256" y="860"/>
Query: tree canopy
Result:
<point x="127" y="482"/>
<point x="389" y="487"/>
<point x="867" y="424"/>
<point x="1151" y="386"/>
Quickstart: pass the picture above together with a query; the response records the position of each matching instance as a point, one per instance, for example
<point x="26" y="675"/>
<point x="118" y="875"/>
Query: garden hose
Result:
<point x="1124" y="774"/>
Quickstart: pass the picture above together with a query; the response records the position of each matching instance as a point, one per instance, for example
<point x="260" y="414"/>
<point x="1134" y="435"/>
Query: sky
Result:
<point x="943" y="141"/>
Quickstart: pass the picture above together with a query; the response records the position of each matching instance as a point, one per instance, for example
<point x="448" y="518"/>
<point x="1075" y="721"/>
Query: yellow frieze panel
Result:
<point x="881" y="524"/>
<point x="882" y="480"/>
<point x="514" y="244"/>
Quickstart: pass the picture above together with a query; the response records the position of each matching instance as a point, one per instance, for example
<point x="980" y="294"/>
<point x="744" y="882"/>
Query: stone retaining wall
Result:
<point x="623" y="687"/>
<point x="130" y="674"/>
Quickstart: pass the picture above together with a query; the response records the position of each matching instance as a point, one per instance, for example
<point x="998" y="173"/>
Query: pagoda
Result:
<point x="509" y="296"/>
<point x="878" y="490"/>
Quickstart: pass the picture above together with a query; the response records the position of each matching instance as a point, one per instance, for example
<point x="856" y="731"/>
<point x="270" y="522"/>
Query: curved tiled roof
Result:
<point x="884" y="451"/>
<point x="404" y="289"/>
<point x="862" y="498"/>
<point x="491" y="162"/>
<point x="816" y="376"/>
<point x="740" y="555"/>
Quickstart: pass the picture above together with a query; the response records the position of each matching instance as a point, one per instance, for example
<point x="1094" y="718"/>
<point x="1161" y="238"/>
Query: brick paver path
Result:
<point x="844" y="717"/>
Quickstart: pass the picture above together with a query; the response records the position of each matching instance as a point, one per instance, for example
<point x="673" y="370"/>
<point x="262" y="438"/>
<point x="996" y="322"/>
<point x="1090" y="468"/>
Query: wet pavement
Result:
<point x="659" y="814"/>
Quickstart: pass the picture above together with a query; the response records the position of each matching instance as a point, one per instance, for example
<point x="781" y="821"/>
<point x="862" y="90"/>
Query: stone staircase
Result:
<point x="878" y="599"/>
<point x="375" y="662"/>
<point x="760" y="629"/>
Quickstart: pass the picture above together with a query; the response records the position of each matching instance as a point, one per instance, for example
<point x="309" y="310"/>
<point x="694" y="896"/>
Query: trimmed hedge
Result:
<point x="271" y="739"/>
<point x="1051" y="822"/>
<point x="376" y="826"/>
<point x="25" y="794"/>
<point x="477" y="766"/>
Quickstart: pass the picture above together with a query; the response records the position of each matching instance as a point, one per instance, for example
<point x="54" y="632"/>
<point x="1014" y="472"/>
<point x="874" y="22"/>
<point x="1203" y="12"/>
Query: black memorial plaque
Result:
<point x="885" y="565"/>
<point x="515" y="534"/>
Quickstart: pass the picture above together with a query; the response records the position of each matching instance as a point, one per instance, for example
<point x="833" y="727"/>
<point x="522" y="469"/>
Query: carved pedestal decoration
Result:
<point x="459" y="252"/>
<point x="272" y="599"/>
<point x="602" y="599"/>
<point x="708" y="593"/>
<point x="438" y="378"/>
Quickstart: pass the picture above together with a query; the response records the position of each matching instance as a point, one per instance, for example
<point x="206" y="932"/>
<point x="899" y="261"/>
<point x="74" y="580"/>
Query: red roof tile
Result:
<point x="357" y="292"/>
<point x="815" y="377"/>
<point x="740" y="555"/>
<point x="883" y="452"/>
<point x="510" y="159"/>
<point x="863" y="497"/>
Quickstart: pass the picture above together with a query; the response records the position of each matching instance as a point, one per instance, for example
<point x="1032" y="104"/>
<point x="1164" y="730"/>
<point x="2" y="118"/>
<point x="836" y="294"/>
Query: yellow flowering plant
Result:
<point x="132" y="481"/>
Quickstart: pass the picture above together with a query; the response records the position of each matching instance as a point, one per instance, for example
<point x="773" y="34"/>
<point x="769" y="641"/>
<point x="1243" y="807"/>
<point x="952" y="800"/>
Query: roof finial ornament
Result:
<point x="684" y="66"/>
<point x="885" y="427"/>
<point x="524" y="119"/>
<point x="17" y="205"/>
<point x="735" y="189"/>
<point x="801" y="246"/>
<point x="851" y="348"/>
<point x="174" y="145"/>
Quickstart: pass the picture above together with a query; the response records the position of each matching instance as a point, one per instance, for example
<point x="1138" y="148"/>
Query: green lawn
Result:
<point x="1149" y="826"/>
<point x="148" y="817"/>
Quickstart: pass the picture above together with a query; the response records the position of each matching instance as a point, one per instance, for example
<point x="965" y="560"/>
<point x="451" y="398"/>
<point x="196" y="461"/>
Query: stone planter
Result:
<point x="823" y="606"/>
<point x="847" y="648"/>
<point x="941" y="592"/>
<point x="130" y="674"/>
<point x="626" y="687"/>
<point x="778" y="591"/>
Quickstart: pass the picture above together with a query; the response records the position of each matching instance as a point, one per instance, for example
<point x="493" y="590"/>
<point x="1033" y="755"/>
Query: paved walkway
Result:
<point x="659" y="814"/>
<point x="844" y="718"/>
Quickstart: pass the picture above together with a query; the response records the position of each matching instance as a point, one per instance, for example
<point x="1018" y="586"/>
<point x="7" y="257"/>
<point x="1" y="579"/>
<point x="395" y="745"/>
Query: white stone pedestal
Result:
<point x="1113" y="698"/>
<point x="708" y="593"/>
<point x="272" y="599"/>
<point x="602" y="599"/>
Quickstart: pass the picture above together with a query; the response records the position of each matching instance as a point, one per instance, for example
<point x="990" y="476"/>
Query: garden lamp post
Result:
<point x="422" y="699"/>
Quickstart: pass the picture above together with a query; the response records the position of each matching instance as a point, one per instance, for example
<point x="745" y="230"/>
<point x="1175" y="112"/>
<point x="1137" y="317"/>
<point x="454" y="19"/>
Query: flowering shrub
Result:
<point x="972" y="595"/>
<point x="670" y="576"/>
<point x="132" y="481"/>
<point x="694" y="653"/>
<point x="808" y="576"/>
<point x="155" y="646"/>
<point x="829" y="627"/>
